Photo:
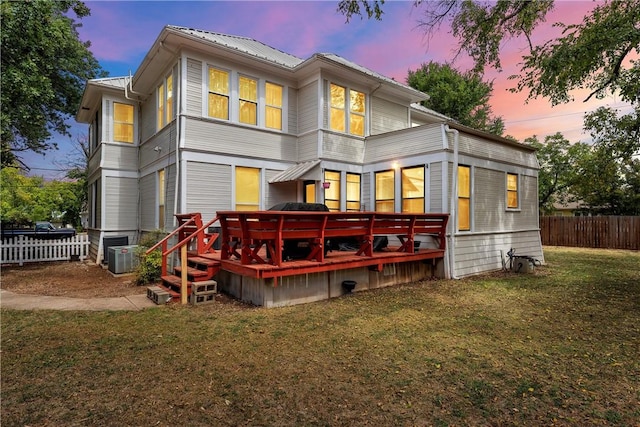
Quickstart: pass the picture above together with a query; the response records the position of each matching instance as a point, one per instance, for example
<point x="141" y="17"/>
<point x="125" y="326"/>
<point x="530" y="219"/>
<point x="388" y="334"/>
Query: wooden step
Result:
<point x="209" y="256"/>
<point x="193" y="274"/>
<point x="205" y="264"/>
<point x="174" y="284"/>
<point x="201" y="260"/>
<point x="175" y="295"/>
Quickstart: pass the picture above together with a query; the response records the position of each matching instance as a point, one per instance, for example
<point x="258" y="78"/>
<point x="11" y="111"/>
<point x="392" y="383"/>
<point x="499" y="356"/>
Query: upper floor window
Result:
<point x="347" y="110"/>
<point x="246" y="100"/>
<point x="413" y="190"/>
<point x="273" y="106"/>
<point x="385" y="191"/>
<point x="165" y="102"/>
<point x="248" y="105"/>
<point x="122" y="122"/>
<point x="464" y="198"/>
<point x="218" y="94"/>
<point x="512" y="191"/>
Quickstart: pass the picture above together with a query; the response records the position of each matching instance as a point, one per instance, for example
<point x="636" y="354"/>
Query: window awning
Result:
<point x="304" y="170"/>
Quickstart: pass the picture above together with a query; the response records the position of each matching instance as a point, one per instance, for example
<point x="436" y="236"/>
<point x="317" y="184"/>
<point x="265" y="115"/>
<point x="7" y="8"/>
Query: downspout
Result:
<point x="453" y="210"/>
<point x="178" y="118"/>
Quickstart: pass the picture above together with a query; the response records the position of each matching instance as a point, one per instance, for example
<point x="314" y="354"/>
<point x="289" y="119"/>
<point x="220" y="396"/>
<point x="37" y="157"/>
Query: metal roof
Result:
<point x="340" y="60"/>
<point x="113" y="82"/>
<point x="243" y="44"/>
<point x="295" y="172"/>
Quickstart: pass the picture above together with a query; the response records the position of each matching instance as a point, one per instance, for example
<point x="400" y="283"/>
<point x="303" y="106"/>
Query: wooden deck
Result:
<point x="257" y="239"/>
<point x="275" y="258"/>
<point x="334" y="260"/>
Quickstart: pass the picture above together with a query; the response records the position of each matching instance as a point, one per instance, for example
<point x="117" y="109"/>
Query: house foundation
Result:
<point x="318" y="286"/>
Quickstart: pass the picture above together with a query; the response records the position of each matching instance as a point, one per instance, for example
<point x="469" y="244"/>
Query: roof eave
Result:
<point x="488" y="135"/>
<point x="392" y="86"/>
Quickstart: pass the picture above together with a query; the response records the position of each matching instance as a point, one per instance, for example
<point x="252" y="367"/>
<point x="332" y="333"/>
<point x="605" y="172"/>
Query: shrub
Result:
<point x="150" y="265"/>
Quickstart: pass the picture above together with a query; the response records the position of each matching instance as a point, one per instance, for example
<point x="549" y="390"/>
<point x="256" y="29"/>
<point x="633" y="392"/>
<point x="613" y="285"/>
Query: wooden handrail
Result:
<point x="191" y="236"/>
<point x="170" y="235"/>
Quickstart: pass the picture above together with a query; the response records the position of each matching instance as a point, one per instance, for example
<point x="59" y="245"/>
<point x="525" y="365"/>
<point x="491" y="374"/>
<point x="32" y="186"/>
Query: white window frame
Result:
<point x="161" y="192"/>
<point x="113" y="122"/>
<point x="259" y="98"/>
<point x="471" y="203"/>
<point x="234" y="98"/>
<point x="347" y="109"/>
<point x="518" y="208"/>
<point x="162" y="122"/>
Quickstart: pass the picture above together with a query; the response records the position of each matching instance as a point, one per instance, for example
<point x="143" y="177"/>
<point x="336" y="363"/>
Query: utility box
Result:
<point x="122" y="259"/>
<point x="522" y="265"/>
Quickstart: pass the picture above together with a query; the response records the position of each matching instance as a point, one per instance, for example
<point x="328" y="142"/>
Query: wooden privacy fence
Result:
<point x="21" y="249"/>
<point x="611" y="232"/>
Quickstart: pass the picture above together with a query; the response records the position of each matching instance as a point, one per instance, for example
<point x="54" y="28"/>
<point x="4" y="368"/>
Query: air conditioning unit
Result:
<point x="122" y="259"/>
<point x="111" y="241"/>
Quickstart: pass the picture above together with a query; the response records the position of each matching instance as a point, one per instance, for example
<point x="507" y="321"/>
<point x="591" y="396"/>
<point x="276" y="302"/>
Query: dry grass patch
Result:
<point x="559" y="347"/>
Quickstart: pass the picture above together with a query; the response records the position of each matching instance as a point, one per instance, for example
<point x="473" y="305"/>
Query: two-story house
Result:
<point x="213" y="122"/>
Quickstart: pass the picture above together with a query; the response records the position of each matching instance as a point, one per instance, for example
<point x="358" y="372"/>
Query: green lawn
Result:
<point x="559" y="347"/>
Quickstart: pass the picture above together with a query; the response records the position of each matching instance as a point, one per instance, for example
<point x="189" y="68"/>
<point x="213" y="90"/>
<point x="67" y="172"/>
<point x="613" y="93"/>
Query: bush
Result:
<point x="150" y="265"/>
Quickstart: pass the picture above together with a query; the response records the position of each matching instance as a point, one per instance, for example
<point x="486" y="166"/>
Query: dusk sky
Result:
<point x="121" y="33"/>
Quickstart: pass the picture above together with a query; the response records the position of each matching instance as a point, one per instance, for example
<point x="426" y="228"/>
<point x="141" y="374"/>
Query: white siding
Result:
<point x="121" y="202"/>
<point x="148" y="202"/>
<point x="120" y="156"/>
<point x="94" y="161"/>
<point x="208" y="188"/>
<point x="529" y="201"/>
<point x="106" y="115"/>
<point x="194" y="87"/>
<point x="147" y="125"/>
<point x="170" y="177"/>
<point x="485" y="149"/>
<point x="292" y="111"/>
<point x="489" y="200"/>
<point x="387" y="116"/>
<point x="490" y="205"/>
<point x="403" y="143"/>
<point x="280" y="192"/>
<point x="435" y="187"/>
<point x="308" y="147"/>
<point x="237" y="140"/>
<point x="480" y="253"/>
<point x="366" y="192"/>
<point x="308" y="108"/>
<point x="343" y="148"/>
<point x="98" y="204"/>
<point x="164" y="140"/>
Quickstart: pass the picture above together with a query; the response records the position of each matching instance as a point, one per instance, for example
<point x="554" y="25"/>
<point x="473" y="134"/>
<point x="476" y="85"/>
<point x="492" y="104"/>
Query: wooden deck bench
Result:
<point x="245" y="233"/>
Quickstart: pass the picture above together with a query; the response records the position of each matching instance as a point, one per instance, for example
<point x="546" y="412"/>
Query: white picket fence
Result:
<point x="21" y="249"/>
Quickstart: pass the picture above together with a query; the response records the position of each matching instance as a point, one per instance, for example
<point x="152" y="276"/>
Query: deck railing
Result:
<point x="182" y="245"/>
<point x="245" y="233"/>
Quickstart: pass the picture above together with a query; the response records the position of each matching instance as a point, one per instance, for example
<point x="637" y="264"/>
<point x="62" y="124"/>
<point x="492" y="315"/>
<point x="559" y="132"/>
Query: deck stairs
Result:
<point x="201" y="266"/>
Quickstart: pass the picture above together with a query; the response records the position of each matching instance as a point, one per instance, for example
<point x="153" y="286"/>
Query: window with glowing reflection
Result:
<point x="464" y="198"/>
<point x="247" y="189"/>
<point x="385" y="191"/>
<point x="413" y="190"/>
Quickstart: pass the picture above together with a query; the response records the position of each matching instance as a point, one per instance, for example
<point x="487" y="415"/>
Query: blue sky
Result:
<point x="121" y="32"/>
